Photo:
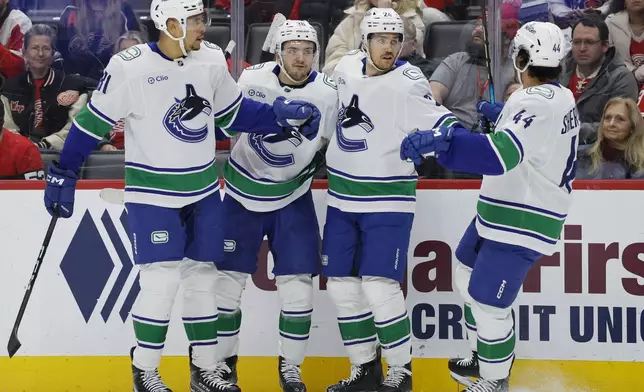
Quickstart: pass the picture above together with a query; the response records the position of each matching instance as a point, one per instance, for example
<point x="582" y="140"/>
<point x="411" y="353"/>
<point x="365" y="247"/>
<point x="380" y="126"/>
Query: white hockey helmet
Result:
<point x="381" y="20"/>
<point x="543" y="41"/>
<point x="297" y="30"/>
<point x="163" y="10"/>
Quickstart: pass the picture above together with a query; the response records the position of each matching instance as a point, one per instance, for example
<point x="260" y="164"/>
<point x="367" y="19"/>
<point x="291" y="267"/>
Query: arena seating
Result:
<point x="445" y="38"/>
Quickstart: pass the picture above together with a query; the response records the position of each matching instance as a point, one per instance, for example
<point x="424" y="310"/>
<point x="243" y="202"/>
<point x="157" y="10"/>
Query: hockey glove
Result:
<point x="423" y="144"/>
<point x="491" y="111"/>
<point x="59" y="190"/>
<point x="300" y="115"/>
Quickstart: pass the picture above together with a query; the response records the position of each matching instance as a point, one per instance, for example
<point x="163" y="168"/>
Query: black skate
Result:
<point x="147" y="381"/>
<point x="290" y="377"/>
<point x="463" y="369"/>
<point x="365" y="377"/>
<point x="398" y="379"/>
<point x="228" y="372"/>
<point x="483" y="385"/>
<point x="202" y="380"/>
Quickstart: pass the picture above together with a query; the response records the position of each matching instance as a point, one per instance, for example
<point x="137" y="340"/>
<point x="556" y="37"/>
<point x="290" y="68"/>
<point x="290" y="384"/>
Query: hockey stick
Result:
<point x="488" y="65"/>
<point x="269" y="42"/>
<point x="14" y="343"/>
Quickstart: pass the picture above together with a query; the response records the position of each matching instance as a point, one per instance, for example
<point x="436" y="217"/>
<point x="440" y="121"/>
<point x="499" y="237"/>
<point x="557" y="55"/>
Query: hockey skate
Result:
<point x="202" y="380"/>
<point x="483" y="385"/>
<point x="364" y="378"/>
<point x="398" y="379"/>
<point x="463" y="369"/>
<point x="147" y="381"/>
<point x="290" y="377"/>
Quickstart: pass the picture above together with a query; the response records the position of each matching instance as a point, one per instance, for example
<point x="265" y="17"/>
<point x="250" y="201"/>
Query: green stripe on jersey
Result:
<point x="180" y="182"/>
<point x="92" y="123"/>
<point x="395" y="332"/>
<point x="496" y="351"/>
<point x="201" y="331"/>
<point x="298" y="326"/>
<point x="349" y="187"/>
<point x="509" y="152"/>
<point x="357" y="330"/>
<point x="521" y="219"/>
<point x="150" y="333"/>
<point x="446" y="122"/>
<point x="226" y="118"/>
<point x="268" y="189"/>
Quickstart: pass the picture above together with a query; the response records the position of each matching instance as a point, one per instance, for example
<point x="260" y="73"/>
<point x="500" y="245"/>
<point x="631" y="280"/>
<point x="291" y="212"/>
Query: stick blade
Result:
<point x="14" y="344"/>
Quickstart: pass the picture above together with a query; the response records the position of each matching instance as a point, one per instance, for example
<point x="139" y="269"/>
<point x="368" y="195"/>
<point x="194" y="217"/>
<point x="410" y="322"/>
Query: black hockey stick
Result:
<point x="488" y="65"/>
<point x="14" y="344"/>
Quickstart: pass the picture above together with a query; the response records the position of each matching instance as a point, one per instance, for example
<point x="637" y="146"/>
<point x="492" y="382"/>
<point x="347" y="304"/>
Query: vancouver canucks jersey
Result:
<point x="366" y="173"/>
<point x="170" y="108"/>
<point x="536" y="140"/>
<point x="267" y="172"/>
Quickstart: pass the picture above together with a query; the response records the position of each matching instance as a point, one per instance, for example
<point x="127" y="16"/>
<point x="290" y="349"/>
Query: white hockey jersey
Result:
<point x="170" y="108"/>
<point x="536" y="139"/>
<point x="366" y="173"/>
<point x="267" y="172"/>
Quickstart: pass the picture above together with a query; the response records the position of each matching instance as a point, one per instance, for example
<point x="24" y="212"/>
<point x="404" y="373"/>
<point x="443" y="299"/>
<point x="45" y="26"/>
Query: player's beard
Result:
<point x="385" y="64"/>
<point x="297" y="73"/>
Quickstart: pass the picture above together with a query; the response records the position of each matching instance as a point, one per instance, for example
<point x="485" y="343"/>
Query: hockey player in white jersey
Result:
<point x="171" y="94"/>
<point x="268" y="182"/>
<point x="528" y="166"/>
<point x="371" y="202"/>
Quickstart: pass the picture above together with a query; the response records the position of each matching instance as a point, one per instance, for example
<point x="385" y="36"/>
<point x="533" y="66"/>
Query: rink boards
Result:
<point x="580" y="317"/>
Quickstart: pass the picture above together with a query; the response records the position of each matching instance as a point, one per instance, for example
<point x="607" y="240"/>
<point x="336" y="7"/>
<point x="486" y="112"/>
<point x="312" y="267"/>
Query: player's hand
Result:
<point x="301" y="115"/>
<point x="423" y="144"/>
<point x="491" y="111"/>
<point x="59" y="190"/>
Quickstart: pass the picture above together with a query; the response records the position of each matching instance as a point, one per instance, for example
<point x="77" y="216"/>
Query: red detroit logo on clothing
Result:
<point x="67" y="98"/>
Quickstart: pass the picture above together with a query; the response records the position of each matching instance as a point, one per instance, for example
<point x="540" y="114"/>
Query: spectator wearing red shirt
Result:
<point x="13" y="26"/>
<point x="19" y="158"/>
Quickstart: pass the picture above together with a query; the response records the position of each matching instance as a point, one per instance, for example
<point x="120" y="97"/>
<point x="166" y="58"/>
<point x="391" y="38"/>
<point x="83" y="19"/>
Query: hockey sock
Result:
<point x="230" y="286"/>
<point x="151" y="311"/>
<point x="200" y="311"/>
<point x="470" y="323"/>
<point x="296" y="297"/>
<point x="496" y="340"/>
<point x="462" y="279"/>
<point x="355" y="320"/>
<point x="392" y="322"/>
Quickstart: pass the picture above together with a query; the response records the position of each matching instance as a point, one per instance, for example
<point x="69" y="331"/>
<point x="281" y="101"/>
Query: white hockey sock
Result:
<point x="496" y="340"/>
<point x="354" y="319"/>
<point x="462" y="281"/>
<point x="230" y="286"/>
<point x="200" y="311"/>
<point x="296" y="297"/>
<point x="151" y="311"/>
<point x="392" y="322"/>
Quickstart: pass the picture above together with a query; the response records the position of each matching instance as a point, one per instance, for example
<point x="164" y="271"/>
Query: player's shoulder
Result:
<point x="209" y="52"/>
<point x="348" y="62"/>
<point x="544" y="96"/>
<point x="130" y="59"/>
<point x="325" y="85"/>
<point x="410" y="78"/>
<point x="258" y="72"/>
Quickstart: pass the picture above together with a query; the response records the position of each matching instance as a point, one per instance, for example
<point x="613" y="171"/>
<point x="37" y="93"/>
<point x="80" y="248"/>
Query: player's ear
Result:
<point x="174" y="27"/>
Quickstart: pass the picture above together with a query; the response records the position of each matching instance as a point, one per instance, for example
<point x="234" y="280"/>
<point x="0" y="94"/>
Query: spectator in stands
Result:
<point x="347" y="35"/>
<point x="618" y="152"/>
<point x="430" y="14"/>
<point x="460" y="81"/>
<point x="14" y="24"/>
<point x="328" y="13"/>
<point x="408" y="51"/>
<point x="131" y="38"/>
<point x="19" y="157"/>
<point x="626" y="26"/>
<point x="595" y="74"/>
<point x="42" y="102"/>
<point x="90" y="29"/>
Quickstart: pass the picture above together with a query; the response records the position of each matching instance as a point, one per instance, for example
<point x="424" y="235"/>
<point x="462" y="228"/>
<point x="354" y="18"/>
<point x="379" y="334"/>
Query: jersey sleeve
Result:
<point x="331" y="111"/>
<point x="523" y="127"/>
<point x="110" y="102"/>
<point x="228" y="94"/>
<point x="421" y="111"/>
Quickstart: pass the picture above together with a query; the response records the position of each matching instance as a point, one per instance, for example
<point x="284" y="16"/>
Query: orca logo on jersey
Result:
<point x="349" y="117"/>
<point x="257" y="144"/>
<point x="184" y="121"/>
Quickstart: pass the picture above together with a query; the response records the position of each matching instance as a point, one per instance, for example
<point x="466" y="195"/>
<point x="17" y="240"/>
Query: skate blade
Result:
<point x="466" y="381"/>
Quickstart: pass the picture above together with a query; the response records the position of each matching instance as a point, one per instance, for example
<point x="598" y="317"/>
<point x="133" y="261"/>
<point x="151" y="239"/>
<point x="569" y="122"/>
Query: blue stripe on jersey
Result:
<point x="471" y="152"/>
<point x="371" y="199"/>
<point x="212" y="187"/>
<point x="100" y="114"/>
<point x="227" y="108"/>
<point x="78" y="146"/>
<point x="240" y="169"/>
<point x="168" y="170"/>
<point x="236" y="191"/>
<point x="374" y="179"/>
<point x="517" y="142"/>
